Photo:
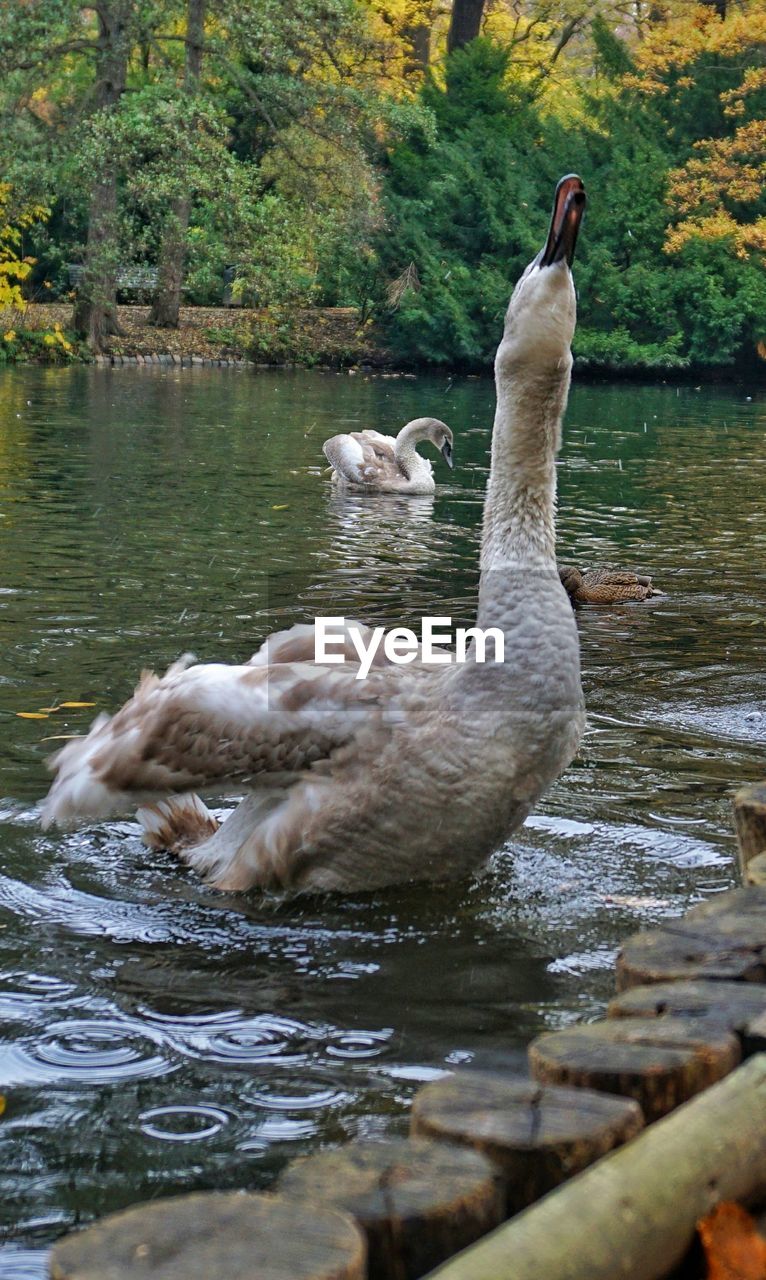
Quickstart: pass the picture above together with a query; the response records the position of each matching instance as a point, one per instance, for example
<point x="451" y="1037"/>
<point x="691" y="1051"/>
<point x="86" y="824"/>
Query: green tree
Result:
<point x="167" y="301"/>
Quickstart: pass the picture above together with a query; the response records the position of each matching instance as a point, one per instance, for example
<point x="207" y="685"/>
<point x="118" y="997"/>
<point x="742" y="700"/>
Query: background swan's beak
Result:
<point x="568" y="206"/>
<point x="446" y="452"/>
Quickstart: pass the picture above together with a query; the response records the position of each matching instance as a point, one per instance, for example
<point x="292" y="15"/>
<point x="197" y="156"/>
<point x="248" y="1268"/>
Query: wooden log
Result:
<point x="417" y="1202"/>
<point x="225" y="1235"/>
<point x="537" y="1137"/>
<point x="739" y="1007"/>
<point x="660" y="1062"/>
<point x="748" y="903"/>
<point x="750" y="821"/>
<point x="632" y="1215"/>
<point x="722" y="939"/>
<point x="755" y="871"/>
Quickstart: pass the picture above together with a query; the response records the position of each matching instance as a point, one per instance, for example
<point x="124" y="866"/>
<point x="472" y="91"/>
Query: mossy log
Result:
<point x="632" y="1215"/>
<point x="739" y="1007"/>
<point x="659" y="1062"/>
<point x="536" y="1136"/>
<point x="722" y="939"/>
<point x="220" y="1235"/>
<point x="750" y="821"/>
<point x="417" y="1202"/>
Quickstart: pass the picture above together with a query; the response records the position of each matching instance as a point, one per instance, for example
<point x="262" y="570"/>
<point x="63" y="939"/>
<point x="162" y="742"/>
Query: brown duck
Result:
<point x="605" y="585"/>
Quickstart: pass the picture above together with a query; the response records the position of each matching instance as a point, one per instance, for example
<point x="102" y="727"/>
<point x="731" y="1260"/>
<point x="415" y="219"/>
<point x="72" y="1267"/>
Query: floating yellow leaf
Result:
<point x="32" y="715"/>
<point x="282" y="506"/>
<point x="76" y="704"/>
<point x="60" y="737"/>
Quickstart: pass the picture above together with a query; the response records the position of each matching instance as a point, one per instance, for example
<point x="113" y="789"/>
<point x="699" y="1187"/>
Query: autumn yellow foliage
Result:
<point x="13" y="268"/>
<point x="712" y="191"/>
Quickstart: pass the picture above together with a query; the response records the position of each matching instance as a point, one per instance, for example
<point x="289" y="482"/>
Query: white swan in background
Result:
<point x="416" y="772"/>
<point x="388" y="464"/>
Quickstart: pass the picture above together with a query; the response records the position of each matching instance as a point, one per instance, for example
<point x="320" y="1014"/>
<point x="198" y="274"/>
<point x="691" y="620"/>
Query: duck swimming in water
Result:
<point x="605" y="585"/>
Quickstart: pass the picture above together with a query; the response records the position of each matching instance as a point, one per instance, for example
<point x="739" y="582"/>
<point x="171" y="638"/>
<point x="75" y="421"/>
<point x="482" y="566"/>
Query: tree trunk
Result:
<point x="95" y="314"/>
<point x="170" y="276"/>
<point x="418" y="36"/>
<point x="465" y="23"/>
<point x="718" y="5"/>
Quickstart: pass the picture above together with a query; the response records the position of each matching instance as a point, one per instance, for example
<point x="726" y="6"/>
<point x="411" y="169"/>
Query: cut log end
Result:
<point x="536" y="1136"/>
<point x="417" y="1202"/>
<point x="739" y="1007"/>
<point x="722" y="939"/>
<point x="211" y="1234"/>
<point x="660" y="1063"/>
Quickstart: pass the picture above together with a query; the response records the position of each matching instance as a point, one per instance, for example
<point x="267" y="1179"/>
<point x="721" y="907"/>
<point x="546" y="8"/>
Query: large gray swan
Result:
<point x="417" y="772"/>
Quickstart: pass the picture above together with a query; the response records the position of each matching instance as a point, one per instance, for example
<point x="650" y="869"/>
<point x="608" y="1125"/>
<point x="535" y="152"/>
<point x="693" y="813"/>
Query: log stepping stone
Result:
<point x="722" y="939"/>
<point x="750" y="821"/>
<point x="536" y="1136"/>
<point x="633" y="1215"/>
<point x="215" y="1234"/>
<point x="739" y="1007"/>
<point x="755" y="871"/>
<point x="417" y="1202"/>
<point x="660" y="1062"/>
<point x="747" y="903"/>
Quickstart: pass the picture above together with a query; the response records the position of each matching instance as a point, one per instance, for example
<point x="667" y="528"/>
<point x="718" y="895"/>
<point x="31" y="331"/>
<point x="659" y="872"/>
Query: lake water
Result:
<point x="159" y="1038"/>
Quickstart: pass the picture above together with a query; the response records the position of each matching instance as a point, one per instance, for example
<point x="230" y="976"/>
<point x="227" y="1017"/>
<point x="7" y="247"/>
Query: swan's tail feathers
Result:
<point x="177" y="824"/>
<point x="77" y="792"/>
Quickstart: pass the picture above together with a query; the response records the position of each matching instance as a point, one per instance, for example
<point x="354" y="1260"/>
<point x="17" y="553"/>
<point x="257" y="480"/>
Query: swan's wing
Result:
<point x="298" y="644"/>
<point x="364" y="457"/>
<point x="374" y="437"/>
<point x="209" y="725"/>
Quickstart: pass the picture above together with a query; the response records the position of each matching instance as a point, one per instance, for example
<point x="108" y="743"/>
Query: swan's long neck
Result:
<point x="405" y="451"/>
<point x="520" y="507"/>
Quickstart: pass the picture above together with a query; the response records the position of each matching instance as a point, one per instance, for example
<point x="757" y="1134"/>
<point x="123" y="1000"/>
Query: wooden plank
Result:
<point x="658" y="1062"/>
<point x="632" y="1215"/>
<point x="215" y="1236"/>
<point x="737" y="1006"/>
<point x="750" y="821"/>
<point x="537" y="1137"/>
<point x="417" y="1202"/>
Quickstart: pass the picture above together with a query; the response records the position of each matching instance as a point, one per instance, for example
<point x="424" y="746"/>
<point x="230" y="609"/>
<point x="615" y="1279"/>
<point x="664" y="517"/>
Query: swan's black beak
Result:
<point x="568" y="206"/>
<point x="446" y="452"/>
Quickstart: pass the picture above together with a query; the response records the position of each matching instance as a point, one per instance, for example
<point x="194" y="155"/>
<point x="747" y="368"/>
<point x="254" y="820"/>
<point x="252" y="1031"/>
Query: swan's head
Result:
<point x="437" y="432"/>
<point x="541" y="315"/>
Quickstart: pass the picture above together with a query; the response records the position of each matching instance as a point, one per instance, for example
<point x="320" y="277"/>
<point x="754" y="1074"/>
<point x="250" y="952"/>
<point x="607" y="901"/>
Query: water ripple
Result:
<point x="83" y="1051"/>
<point x="159" y="1036"/>
<point x="183" y="1124"/>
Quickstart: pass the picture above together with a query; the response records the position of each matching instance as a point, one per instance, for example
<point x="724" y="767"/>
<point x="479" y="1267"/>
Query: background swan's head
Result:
<point x="541" y="315"/>
<point x="434" y="430"/>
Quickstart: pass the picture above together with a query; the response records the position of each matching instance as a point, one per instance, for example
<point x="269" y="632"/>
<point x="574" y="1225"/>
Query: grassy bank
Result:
<point x="334" y="337"/>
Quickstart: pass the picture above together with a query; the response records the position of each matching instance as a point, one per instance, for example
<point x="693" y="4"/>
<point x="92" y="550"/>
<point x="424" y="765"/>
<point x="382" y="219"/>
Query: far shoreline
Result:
<point x="329" y="338"/>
